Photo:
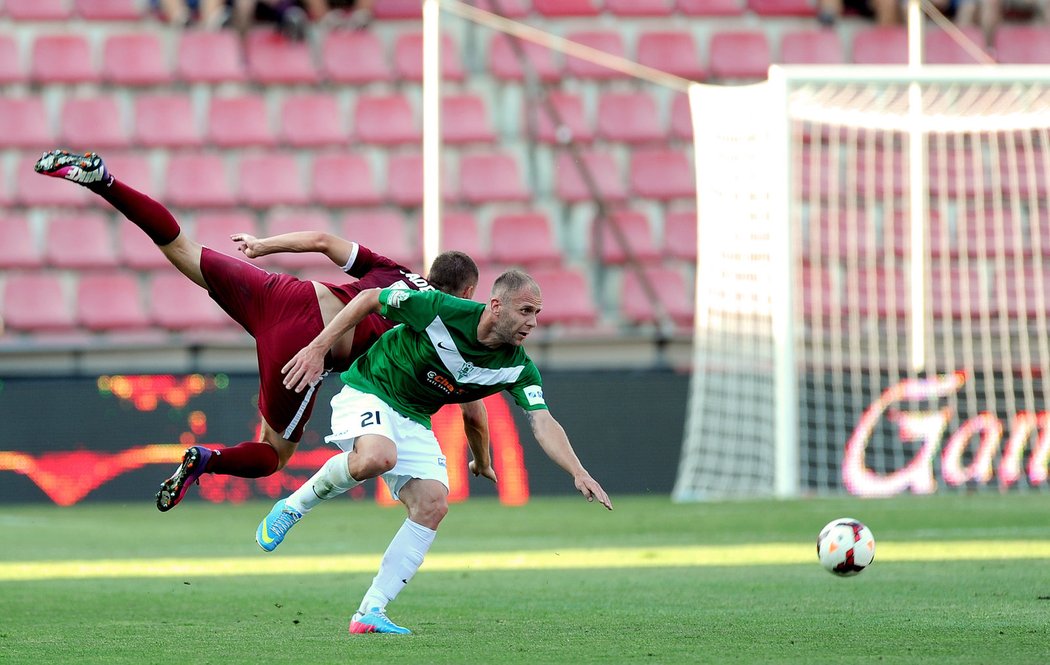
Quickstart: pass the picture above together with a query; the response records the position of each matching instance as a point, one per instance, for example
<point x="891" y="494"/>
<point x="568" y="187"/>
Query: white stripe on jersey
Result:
<point x="463" y="371"/>
<point x="353" y="257"/>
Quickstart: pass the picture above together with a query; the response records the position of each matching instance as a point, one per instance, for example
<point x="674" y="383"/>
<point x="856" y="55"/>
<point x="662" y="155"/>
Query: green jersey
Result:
<point x="434" y="358"/>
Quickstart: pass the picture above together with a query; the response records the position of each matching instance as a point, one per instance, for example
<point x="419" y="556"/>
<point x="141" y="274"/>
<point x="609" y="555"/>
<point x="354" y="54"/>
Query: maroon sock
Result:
<point x="141" y="210"/>
<point x="251" y="459"/>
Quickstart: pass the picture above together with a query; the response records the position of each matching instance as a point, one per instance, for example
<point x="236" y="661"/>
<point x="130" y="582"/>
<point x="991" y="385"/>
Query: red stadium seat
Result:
<point x="561" y="8"/>
<point x="93" y="123"/>
<point x="525" y="239"/>
<point x="110" y="301"/>
<point x="465" y="119"/>
<point x="343" y="179"/>
<point x="36" y="302"/>
<point x="812" y="47"/>
<point x="504" y="63"/>
<point x="166" y="121"/>
<point x="213" y="230"/>
<point x="881" y="293"/>
<point x="491" y="177"/>
<point x="674" y="52"/>
<point x="398" y="9"/>
<point x="292" y="221"/>
<point x="62" y="59"/>
<point x="880" y="46"/>
<point x="135" y="60"/>
<point x="109" y="10"/>
<point x="640" y="7"/>
<point x="740" y="54"/>
<point x="1026" y="290"/>
<point x="662" y="174"/>
<point x="385" y="120"/>
<point x="608" y="41"/>
<point x="405" y="180"/>
<point x="567" y="297"/>
<point x="10" y="62"/>
<point x="1022" y="45"/>
<point x="19" y="248"/>
<point x="133" y="169"/>
<point x="38" y="10"/>
<point x="80" y="242"/>
<point x="783" y="7"/>
<point x="631" y="117"/>
<point x="960" y="293"/>
<point x="681" y="118"/>
<point x="671" y="289"/>
<point x="680" y="235"/>
<point x="271" y="179"/>
<point x="569" y="185"/>
<point x="312" y="120"/>
<point x="569" y="108"/>
<point x="711" y="7"/>
<point x="273" y="59"/>
<point x="508" y="8"/>
<point x="943" y="49"/>
<point x="198" y="180"/>
<point x="136" y="250"/>
<point x="459" y="231"/>
<point x="239" y="121"/>
<point x="408" y="58"/>
<point x="24" y="123"/>
<point x="35" y="190"/>
<point x="636" y="232"/>
<point x="209" y="57"/>
<point x="176" y="303"/>
<point x="383" y="231"/>
<point x="355" y="57"/>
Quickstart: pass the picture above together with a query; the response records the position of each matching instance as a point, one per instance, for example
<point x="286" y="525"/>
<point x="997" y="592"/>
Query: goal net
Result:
<point x="872" y="283"/>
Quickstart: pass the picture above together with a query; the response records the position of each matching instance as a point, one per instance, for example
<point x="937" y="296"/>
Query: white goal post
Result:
<point x="872" y="283"/>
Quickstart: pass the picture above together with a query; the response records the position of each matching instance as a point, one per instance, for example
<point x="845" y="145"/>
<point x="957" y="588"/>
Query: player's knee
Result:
<point x="429" y="510"/>
<point x="371" y="463"/>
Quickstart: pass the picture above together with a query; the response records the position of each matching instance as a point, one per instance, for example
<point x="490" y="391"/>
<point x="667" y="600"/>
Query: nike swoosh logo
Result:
<point x="442" y="346"/>
<point x="265" y="536"/>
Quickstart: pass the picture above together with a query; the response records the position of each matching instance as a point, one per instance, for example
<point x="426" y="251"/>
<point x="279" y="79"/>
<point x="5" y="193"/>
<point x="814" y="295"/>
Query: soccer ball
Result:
<point x="845" y="547"/>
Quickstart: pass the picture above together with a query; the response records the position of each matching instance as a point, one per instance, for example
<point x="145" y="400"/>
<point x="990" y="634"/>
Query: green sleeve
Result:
<point x="416" y="309"/>
<point x="527" y="391"/>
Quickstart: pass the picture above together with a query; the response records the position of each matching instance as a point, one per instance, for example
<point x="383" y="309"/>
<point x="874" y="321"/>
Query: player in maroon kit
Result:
<point x="281" y="312"/>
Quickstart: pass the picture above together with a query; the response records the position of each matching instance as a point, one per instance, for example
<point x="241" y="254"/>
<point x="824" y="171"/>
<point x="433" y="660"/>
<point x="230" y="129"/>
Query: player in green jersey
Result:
<point x="448" y="350"/>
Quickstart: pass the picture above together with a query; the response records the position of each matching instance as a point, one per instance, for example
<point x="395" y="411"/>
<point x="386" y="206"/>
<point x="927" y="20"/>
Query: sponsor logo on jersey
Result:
<point x="420" y="282"/>
<point x="396" y="297"/>
<point x="464" y="370"/>
<point x="535" y="395"/>
<point x="442" y="383"/>
<point x="441" y="461"/>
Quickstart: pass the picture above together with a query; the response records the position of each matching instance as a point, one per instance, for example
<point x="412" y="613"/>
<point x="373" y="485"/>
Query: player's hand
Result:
<point x="304" y="369"/>
<point x="487" y="471"/>
<point x="591" y="490"/>
<point x="248" y="244"/>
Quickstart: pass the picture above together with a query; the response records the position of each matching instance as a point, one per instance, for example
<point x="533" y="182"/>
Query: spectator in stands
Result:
<point x="988" y="14"/>
<point x="352" y="14"/>
<point x="289" y="16"/>
<point x="211" y="14"/>
<point x="885" y="12"/>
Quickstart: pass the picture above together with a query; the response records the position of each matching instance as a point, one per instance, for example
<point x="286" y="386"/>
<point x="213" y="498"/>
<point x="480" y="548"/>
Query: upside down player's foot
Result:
<point x="190" y="469"/>
<point x="85" y="169"/>
<point x="275" y="525"/>
<point x="376" y="621"/>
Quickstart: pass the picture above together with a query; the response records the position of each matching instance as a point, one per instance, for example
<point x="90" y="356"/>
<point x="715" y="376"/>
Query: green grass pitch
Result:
<point x="961" y="579"/>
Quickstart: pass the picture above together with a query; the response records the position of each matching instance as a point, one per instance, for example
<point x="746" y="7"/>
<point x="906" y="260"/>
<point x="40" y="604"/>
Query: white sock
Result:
<point x="331" y="480"/>
<point x="402" y="559"/>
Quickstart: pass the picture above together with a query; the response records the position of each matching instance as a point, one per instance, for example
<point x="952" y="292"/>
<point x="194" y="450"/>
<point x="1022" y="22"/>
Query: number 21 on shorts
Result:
<point x="370" y="418"/>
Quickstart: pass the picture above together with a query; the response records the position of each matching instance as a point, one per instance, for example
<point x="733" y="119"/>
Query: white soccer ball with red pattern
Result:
<point x="845" y="547"/>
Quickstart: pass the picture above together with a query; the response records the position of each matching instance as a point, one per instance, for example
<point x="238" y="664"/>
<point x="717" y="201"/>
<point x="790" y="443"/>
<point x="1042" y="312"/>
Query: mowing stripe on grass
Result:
<point x="614" y="557"/>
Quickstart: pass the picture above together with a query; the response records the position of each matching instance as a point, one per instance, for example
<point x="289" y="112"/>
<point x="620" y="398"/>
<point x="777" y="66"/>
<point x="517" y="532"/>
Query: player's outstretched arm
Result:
<point x="306" y="366"/>
<point x="335" y="248"/>
<point x="555" y="443"/>
<point x="476" y="427"/>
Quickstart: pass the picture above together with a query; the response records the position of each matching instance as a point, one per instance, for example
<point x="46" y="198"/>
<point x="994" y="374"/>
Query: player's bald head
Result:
<point x="513" y="281"/>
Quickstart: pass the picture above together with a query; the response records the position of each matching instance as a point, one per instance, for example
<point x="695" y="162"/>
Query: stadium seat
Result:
<point x="680" y="235"/>
<point x="38" y="10"/>
<point x="1022" y="45"/>
<point x="990" y="233"/>
<point x="783" y="7"/>
<point x="1016" y="181"/>
<point x="524" y="238"/>
<point x="878" y="292"/>
<point x="209" y="57"/>
<point x="239" y="121"/>
<point x="80" y="242"/>
<point x="135" y="249"/>
<point x="567" y="297"/>
<point x="385" y="120"/>
<point x="608" y="41"/>
<point x="213" y="230"/>
<point x="10" y="61"/>
<point x="354" y="57"/>
<point x="166" y="121"/>
<point x="36" y="302"/>
<point x="509" y="8"/>
<point x="874" y="172"/>
<point x="846" y="235"/>
<point x="662" y="174"/>
<point x="404" y="180"/>
<point x="880" y="46"/>
<point x="631" y="117"/>
<point x="271" y="179"/>
<point x="959" y="293"/>
<point x="465" y="119"/>
<point x="312" y="120"/>
<point x="812" y="47"/>
<point x="962" y="174"/>
<point x="110" y="301"/>
<point x="343" y="179"/>
<point x="198" y="180"/>
<point x="943" y="49"/>
<point x="459" y="231"/>
<point x="569" y="186"/>
<point x="134" y="169"/>
<point x="490" y="177"/>
<point x="408" y="58"/>
<point x="62" y="59"/>
<point x="109" y="10"/>
<point x="562" y="8"/>
<point x="292" y="221"/>
<point x="504" y="63"/>
<point x="176" y="303"/>
<point x="35" y="190"/>
<point x="740" y="54"/>
<point x="273" y="59"/>
<point x="136" y="59"/>
<point x="1025" y="289"/>
<point x="19" y="248"/>
<point x="24" y="123"/>
<point x="383" y="231"/>
<point x="411" y="10"/>
<point x="93" y="123"/>
<point x="711" y="7"/>
<point x="681" y="118"/>
<point x="570" y="111"/>
<point x="637" y="233"/>
<point x="671" y="51"/>
<point x="819" y="296"/>
<point x="640" y="7"/>
<point x="671" y="289"/>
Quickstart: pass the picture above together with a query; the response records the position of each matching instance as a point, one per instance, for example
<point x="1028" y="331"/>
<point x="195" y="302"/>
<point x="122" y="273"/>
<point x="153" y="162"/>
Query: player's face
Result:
<point x="517" y="316"/>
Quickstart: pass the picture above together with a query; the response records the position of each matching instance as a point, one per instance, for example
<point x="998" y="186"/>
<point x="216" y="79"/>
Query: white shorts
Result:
<point x="355" y="413"/>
